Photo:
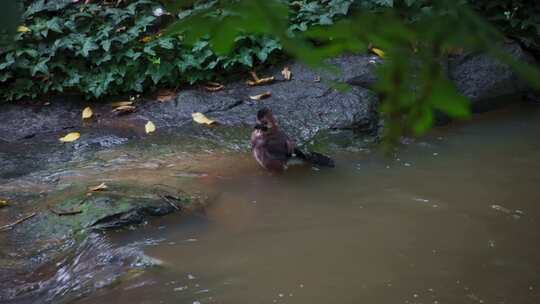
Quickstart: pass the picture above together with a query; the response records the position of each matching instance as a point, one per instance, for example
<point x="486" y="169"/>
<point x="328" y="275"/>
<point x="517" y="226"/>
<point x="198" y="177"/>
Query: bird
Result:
<point x="272" y="148"/>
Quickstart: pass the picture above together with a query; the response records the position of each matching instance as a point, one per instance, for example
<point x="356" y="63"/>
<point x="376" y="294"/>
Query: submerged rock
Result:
<point x="67" y="212"/>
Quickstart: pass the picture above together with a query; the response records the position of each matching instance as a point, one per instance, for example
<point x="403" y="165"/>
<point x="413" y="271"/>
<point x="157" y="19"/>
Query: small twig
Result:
<point x="64" y="212"/>
<point x="10" y="226"/>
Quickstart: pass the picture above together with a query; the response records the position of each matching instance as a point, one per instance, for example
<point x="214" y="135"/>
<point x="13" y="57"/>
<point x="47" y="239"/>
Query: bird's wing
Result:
<point x="277" y="146"/>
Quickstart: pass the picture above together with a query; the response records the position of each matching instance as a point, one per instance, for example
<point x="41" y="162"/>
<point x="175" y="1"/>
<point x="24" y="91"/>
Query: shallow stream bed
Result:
<point x="452" y="218"/>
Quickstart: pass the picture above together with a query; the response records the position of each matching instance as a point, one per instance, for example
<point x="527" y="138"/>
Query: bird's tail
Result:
<point x="315" y="158"/>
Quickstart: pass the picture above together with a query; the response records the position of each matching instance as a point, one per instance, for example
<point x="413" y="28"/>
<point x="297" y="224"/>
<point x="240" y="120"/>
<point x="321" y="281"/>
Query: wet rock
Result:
<point x="50" y="243"/>
<point x="485" y="81"/>
<point x="357" y="70"/>
<point x="25" y="121"/>
<point x="82" y="267"/>
<point x="303" y="106"/>
<point x="99" y="142"/>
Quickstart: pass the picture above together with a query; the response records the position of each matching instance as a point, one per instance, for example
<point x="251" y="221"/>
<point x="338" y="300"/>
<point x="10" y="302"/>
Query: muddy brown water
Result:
<point x="452" y="218"/>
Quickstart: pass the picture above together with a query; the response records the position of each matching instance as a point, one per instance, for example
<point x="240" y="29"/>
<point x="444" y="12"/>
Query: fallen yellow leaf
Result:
<point x="261" y="96"/>
<point x="121" y="103"/>
<point x="99" y="187"/>
<point x="202" y="119"/>
<point x="149" y="127"/>
<point x="146" y="39"/>
<point x="87" y="113"/>
<point x="22" y="29"/>
<point x="124" y="110"/>
<point x="3" y="203"/>
<point x="286" y="73"/>
<point x="377" y="52"/>
<point x="70" y="137"/>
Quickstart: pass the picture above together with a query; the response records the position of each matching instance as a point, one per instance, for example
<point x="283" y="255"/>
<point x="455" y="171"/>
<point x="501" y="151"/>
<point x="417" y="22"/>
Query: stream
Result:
<point x="453" y="217"/>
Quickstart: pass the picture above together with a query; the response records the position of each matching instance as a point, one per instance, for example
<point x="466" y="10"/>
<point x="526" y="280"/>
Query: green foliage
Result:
<point x="517" y="18"/>
<point x="99" y="49"/>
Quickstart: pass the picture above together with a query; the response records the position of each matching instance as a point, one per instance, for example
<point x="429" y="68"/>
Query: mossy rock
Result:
<point x="76" y="209"/>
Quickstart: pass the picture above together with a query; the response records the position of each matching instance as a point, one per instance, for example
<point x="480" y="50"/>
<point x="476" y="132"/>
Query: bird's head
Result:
<point x="265" y="120"/>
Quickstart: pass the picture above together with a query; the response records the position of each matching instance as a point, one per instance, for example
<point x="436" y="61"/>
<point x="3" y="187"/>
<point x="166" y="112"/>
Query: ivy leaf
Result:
<point x="106" y="45"/>
<point x="5" y="76"/>
<point x="30" y="52"/>
<point x="245" y="57"/>
<point x="41" y="66"/>
<point x="166" y="43"/>
<point x="148" y="49"/>
<point x="87" y="47"/>
<point x="385" y="3"/>
<point x="157" y="72"/>
<point x="54" y="24"/>
<point x="132" y="54"/>
<point x="10" y="60"/>
<point x="73" y="78"/>
<point x="102" y="59"/>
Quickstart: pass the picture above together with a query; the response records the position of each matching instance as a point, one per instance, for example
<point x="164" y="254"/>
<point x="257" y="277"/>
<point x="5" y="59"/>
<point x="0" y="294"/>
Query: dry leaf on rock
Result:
<point x="214" y="86"/>
<point x="124" y="110"/>
<point x="87" y="113"/>
<point x="202" y="119"/>
<point x="261" y="96"/>
<point x="149" y="127"/>
<point x="286" y="72"/>
<point x="3" y="203"/>
<point x="121" y="103"/>
<point x="70" y="137"/>
<point x="259" y="81"/>
<point x="99" y="187"/>
<point x="165" y="95"/>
